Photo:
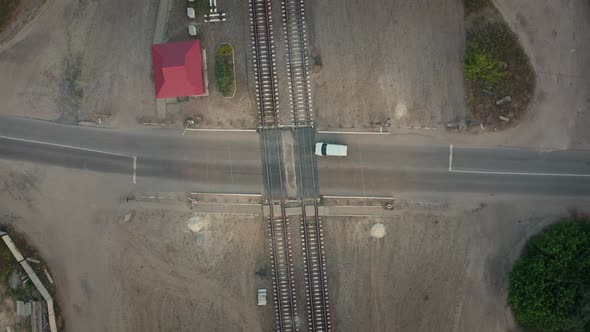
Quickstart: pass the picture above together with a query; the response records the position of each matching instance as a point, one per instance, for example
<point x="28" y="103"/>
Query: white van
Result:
<point x="328" y="149"/>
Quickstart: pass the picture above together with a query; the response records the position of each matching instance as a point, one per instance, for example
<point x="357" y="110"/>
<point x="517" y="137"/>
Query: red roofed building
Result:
<point x="178" y="69"/>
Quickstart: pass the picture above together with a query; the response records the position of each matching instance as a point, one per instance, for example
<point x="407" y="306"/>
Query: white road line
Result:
<point x="359" y="197"/>
<point x="352" y="132"/>
<point x="79" y="149"/>
<point x="134" y="170"/>
<point x="222" y="130"/>
<point x="519" y="173"/>
<point x="450" y="157"/>
<point x="226" y="194"/>
<point x="66" y="146"/>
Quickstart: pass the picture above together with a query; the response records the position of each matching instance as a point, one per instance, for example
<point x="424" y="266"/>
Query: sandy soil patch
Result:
<point x="433" y="270"/>
<point x="388" y="59"/>
<point x="82" y="60"/>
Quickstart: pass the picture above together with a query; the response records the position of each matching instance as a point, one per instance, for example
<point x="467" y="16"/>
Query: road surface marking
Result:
<point x="222" y="130"/>
<point x="507" y="173"/>
<point x="352" y="132"/>
<point x="359" y="197"/>
<point x="519" y="173"/>
<point x="66" y="146"/>
<point x="228" y="194"/>
<point x="450" y="157"/>
<point x="78" y="148"/>
<point x="134" y="170"/>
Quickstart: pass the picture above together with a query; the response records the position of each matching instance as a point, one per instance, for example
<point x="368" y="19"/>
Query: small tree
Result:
<point x="549" y="286"/>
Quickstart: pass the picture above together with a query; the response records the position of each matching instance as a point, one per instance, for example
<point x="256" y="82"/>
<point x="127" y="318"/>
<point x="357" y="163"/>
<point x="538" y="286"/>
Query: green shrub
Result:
<point x="549" y="286"/>
<point x="224" y="69"/>
<point x="483" y="67"/>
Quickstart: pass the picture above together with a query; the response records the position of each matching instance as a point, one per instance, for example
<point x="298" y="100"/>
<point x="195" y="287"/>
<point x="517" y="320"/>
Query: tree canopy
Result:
<point x="549" y="286"/>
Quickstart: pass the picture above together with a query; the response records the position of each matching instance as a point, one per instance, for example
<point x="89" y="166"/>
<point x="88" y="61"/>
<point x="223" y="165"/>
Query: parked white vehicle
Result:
<point x="329" y="149"/>
<point x="261" y="298"/>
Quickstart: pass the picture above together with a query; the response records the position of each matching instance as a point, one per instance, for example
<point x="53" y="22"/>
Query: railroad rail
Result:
<point x="318" y="304"/>
<point x="297" y="62"/>
<point x="264" y="62"/>
<point x="284" y="301"/>
<point x="316" y="290"/>
<point x="282" y="269"/>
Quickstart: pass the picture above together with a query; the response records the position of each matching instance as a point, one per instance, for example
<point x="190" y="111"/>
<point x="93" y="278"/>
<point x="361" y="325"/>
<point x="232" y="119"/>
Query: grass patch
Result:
<point x="224" y="69"/>
<point x="6" y="9"/>
<point x="495" y="67"/>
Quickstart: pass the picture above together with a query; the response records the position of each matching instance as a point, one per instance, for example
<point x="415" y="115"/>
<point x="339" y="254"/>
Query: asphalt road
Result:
<point x="387" y="165"/>
<point x="165" y="160"/>
<point x="230" y="162"/>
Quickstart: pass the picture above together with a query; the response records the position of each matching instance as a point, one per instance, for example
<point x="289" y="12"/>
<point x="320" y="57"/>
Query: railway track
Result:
<point x="297" y="62"/>
<point x="264" y="62"/>
<point x="318" y="304"/>
<point x="282" y="269"/>
<point x="284" y="301"/>
<point x="317" y="301"/>
<point x="285" y="304"/>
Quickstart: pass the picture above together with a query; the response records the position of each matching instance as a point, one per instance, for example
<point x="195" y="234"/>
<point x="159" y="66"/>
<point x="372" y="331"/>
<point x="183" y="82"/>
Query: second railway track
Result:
<point x="297" y="62"/>
<point x="264" y="62"/>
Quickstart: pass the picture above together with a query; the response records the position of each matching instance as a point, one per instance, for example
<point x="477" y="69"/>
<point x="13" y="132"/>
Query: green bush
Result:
<point x="549" y="286"/>
<point x="224" y="69"/>
<point x="483" y="67"/>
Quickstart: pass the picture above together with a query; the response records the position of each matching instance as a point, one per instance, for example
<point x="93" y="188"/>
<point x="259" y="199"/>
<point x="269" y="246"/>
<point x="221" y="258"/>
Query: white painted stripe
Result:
<point x="225" y="194"/>
<point x="450" y="157"/>
<point x="79" y="149"/>
<point x="134" y="170"/>
<point x="352" y="132"/>
<point x="66" y="146"/>
<point x="223" y="130"/>
<point x="360" y="197"/>
<point x="519" y="173"/>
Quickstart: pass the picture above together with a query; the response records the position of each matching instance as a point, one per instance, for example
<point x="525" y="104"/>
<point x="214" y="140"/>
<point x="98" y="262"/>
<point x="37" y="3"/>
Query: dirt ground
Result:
<point x="150" y="274"/>
<point x="23" y="13"/>
<point x="85" y="60"/>
<point x="433" y="270"/>
<point x="74" y="64"/>
<point x="396" y="59"/>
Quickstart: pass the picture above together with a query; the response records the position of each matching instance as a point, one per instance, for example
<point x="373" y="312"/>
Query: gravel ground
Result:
<point x="395" y="59"/>
<point x="150" y="274"/>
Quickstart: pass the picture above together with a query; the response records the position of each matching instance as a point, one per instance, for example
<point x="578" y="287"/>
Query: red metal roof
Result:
<point x="178" y="69"/>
